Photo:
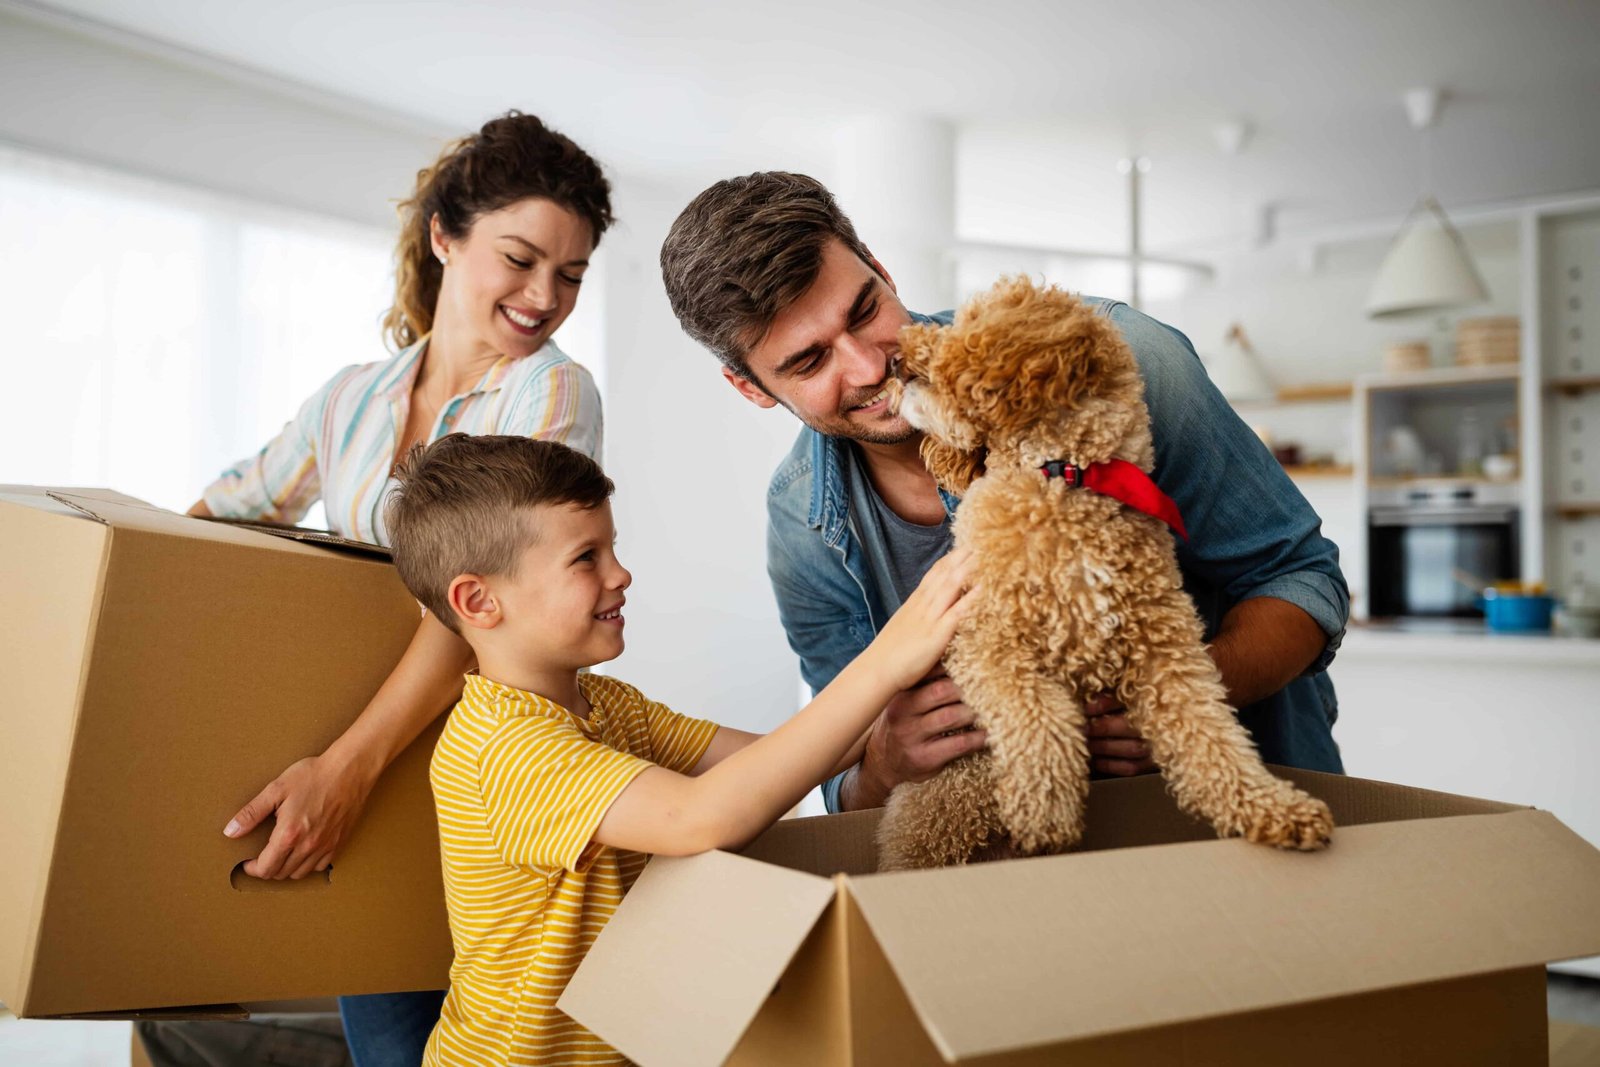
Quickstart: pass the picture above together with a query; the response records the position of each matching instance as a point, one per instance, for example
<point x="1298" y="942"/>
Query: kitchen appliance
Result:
<point x="1423" y="537"/>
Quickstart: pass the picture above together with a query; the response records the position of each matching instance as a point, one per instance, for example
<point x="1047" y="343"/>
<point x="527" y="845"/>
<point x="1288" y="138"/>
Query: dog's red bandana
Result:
<point x="1121" y="480"/>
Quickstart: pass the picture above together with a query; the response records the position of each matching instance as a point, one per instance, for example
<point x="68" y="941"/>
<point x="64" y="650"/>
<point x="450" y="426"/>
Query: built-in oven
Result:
<point x="1433" y="548"/>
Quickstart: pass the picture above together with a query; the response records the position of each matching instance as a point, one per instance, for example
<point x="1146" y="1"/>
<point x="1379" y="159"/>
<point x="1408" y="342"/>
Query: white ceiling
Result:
<point x="1047" y="95"/>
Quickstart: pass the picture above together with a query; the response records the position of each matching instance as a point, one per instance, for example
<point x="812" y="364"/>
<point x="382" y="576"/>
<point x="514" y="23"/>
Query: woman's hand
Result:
<point x="317" y="803"/>
<point x="916" y="637"/>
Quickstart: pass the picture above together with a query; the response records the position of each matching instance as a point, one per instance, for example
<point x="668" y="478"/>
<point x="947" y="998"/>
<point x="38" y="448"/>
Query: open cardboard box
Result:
<point x="155" y="672"/>
<point x="1419" y="937"/>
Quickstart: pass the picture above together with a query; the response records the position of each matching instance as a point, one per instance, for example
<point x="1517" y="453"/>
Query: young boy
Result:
<point x="553" y="786"/>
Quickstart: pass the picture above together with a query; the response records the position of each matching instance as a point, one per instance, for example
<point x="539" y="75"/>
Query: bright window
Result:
<point x="156" y="334"/>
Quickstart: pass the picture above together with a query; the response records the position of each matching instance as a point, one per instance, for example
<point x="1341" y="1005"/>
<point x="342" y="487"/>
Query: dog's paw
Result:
<point x="1296" y="820"/>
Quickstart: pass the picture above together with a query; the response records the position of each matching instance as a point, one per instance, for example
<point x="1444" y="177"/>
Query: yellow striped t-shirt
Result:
<point x="520" y="785"/>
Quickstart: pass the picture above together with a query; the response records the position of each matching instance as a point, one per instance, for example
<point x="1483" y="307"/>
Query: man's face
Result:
<point x="828" y="356"/>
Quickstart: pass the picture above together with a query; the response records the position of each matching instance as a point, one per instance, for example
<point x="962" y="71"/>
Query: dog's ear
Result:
<point x="1074" y="352"/>
<point x="953" y="468"/>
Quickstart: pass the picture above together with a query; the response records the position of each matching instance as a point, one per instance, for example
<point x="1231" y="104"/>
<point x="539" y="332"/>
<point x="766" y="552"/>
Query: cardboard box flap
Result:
<point x="305" y="535"/>
<point x="44" y="498"/>
<point x="126" y="513"/>
<point x="821" y="844"/>
<point x="1131" y="812"/>
<point x="683" y="966"/>
<point x="1006" y="956"/>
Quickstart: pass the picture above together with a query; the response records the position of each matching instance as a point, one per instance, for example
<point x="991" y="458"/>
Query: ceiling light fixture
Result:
<point x="1428" y="267"/>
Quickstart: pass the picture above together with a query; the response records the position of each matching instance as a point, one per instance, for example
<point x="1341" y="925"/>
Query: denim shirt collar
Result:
<point x="829" y="503"/>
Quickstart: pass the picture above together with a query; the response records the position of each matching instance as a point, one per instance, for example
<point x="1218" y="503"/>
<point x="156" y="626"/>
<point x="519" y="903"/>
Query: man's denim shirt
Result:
<point x="1251" y="534"/>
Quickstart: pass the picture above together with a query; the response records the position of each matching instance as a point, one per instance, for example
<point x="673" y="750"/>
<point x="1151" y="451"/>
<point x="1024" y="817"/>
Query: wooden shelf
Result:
<point x="1315" y="393"/>
<point x="1573" y="386"/>
<point x="1578" y="511"/>
<point x="1320" y="470"/>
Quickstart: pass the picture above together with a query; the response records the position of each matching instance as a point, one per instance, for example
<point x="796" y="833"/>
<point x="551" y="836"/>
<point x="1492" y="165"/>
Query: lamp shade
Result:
<point x="1428" y="267"/>
<point x="1236" y="370"/>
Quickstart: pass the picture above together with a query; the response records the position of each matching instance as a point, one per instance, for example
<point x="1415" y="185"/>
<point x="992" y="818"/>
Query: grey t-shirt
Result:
<point x="913" y="548"/>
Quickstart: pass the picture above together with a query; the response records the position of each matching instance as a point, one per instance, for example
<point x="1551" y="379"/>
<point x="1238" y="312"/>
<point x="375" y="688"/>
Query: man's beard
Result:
<point x="848" y="428"/>
<point x="885" y="436"/>
<point x="843" y="426"/>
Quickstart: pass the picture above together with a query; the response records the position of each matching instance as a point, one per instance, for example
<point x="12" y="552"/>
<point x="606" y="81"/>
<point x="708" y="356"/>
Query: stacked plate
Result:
<point x="1405" y="356"/>
<point x="1495" y="339"/>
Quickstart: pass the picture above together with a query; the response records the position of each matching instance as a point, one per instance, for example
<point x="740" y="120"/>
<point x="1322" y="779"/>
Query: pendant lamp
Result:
<point x="1428" y="267"/>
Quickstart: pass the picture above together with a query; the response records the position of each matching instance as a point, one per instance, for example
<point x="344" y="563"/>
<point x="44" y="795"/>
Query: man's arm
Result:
<point x="1264" y="644"/>
<point x="1253" y="538"/>
<point x="1252" y="533"/>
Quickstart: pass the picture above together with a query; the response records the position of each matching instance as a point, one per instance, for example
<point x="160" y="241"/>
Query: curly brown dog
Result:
<point x="1077" y="593"/>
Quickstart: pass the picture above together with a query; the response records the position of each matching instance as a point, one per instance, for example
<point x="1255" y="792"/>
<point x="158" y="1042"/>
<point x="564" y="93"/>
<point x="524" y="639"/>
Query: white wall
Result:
<point x="691" y="460"/>
<point x="84" y="96"/>
<point x="1303" y="306"/>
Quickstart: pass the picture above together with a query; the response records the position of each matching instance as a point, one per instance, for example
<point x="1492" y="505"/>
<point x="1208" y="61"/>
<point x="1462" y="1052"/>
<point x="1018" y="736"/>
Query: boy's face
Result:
<point x="564" y="606"/>
<point x="828" y="356"/>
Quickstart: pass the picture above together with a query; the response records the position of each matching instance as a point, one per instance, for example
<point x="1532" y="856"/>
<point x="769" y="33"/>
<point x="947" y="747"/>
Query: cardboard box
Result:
<point x="155" y="672"/>
<point x="1418" y="938"/>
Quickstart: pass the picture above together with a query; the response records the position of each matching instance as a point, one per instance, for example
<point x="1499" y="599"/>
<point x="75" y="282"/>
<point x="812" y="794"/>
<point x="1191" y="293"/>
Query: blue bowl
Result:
<point x="1514" y="613"/>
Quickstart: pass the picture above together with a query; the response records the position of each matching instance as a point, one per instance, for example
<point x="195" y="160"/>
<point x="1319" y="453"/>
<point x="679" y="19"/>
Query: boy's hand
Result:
<point x="916" y="637"/>
<point x="317" y="804"/>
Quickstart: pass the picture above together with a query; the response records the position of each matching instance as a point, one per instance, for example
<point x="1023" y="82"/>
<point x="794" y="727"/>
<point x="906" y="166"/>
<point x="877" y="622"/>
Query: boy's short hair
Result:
<point x="463" y="507"/>
<point x="744" y="250"/>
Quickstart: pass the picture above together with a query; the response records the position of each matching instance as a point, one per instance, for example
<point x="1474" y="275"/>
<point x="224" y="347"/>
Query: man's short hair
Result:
<point x="744" y="250"/>
<point x="463" y="506"/>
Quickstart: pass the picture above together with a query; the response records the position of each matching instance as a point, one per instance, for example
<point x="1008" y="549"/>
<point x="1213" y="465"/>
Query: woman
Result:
<point x="493" y="247"/>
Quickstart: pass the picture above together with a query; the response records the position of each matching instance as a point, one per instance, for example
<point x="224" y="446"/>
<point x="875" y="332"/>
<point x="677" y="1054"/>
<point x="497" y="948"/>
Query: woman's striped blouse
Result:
<point x="340" y="447"/>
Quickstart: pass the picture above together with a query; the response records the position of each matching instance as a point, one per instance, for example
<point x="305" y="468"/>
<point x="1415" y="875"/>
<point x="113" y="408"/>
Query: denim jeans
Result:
<point x="390" y="1029"/>
<point x="260" y="1041"/>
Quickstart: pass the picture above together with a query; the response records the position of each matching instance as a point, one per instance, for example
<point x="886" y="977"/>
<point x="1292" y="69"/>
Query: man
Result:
<point x="767" y="272"/>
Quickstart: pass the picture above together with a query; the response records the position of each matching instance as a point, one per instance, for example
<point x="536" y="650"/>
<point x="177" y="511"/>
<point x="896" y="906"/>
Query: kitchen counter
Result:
<point x="1450" y="706"/>
<point x="1461" y="639"/>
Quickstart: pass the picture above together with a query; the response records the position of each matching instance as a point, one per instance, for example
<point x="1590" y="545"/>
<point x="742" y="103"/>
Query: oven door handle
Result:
<point x="1442" y="516"/>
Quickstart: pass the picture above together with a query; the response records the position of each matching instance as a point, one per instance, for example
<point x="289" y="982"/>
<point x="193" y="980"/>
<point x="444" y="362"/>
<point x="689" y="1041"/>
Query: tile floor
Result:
<point x="42" y="1043"/>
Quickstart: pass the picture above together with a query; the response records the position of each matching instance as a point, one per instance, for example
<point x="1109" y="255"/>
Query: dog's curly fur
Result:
<point x="1076" y="595"/>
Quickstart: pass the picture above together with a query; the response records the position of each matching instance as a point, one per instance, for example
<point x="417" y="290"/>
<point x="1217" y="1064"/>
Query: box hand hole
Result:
<point x="245" y="883"/>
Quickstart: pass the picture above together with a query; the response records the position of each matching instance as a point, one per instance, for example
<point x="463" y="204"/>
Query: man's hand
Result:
<point x="317" y="803"/>
<point x="920" y="731"/>
<point x="1115" y="747"/>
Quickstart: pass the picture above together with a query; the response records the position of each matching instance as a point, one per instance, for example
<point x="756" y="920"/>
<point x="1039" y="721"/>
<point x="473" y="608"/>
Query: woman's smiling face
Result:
<point x="514" y="278"/>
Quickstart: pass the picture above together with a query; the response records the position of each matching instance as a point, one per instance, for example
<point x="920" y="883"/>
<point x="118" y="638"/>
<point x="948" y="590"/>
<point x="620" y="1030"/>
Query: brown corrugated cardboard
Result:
<point x="1573" y="1045"/>
<point x="1419" y="937"/>
<point x="156" y="671"/>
